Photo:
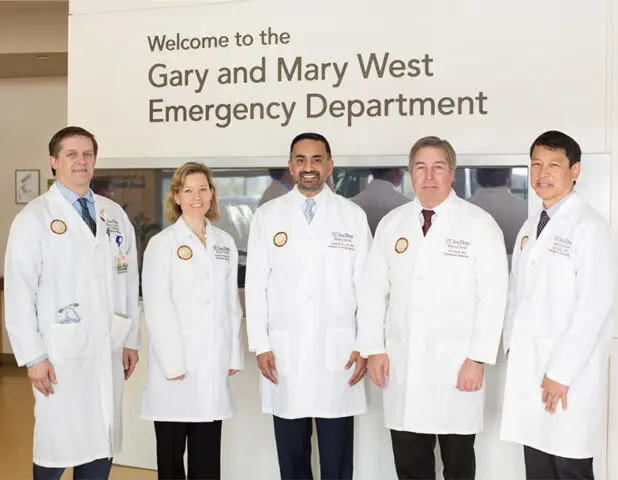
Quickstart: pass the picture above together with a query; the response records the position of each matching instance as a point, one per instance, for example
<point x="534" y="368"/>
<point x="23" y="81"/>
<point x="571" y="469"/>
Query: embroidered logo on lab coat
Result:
<point x="401" y="245"/>
<point x="111" y="225"/>
<point x="523" y="242"/>
<point x="184" y="252"/>
<point x="561" y="246"/>
<point x="457" y="248"/>
<point x="343" y="241"/>
<point x="280" y="239"/>
<point x="58" y="227"/>
<point x="221" y="253"/>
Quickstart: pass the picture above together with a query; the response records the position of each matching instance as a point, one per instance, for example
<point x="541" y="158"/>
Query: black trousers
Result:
<point x="95" y="470"/>
<point x="544" y="466"/>
<point x="203" y="441"/>
<point x="414" y="455"/>
<point x="335" y="444"/>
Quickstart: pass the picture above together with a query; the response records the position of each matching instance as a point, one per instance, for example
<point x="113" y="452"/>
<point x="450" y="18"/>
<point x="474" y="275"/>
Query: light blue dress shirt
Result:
<point x="551" y="211"/>
<point x="72" y="198"/>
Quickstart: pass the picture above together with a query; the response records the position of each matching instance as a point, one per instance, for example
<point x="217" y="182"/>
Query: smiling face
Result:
<point x="550" y="174"/>
<point x="432" y="177"/>
<point x="194" y="196"/>
<point x="310" y="165"/>
<point x="74" y="163"/>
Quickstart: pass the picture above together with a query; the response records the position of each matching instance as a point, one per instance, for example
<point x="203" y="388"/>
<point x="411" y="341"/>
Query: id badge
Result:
<point x="121" y="264"/>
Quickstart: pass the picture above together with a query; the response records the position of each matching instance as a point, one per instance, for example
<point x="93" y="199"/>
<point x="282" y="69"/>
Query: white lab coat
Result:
<point x="440" y="301"/>
<point x="379" y="198"/>
<point x="301" y="299"/>
<point x="510" y="211"/>
<point x="559" y="323"/>
<point x="46" y="272"/>
<point x="194" y="317"/>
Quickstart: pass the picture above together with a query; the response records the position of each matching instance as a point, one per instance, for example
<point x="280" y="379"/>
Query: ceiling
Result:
<point x="33" y="64"/>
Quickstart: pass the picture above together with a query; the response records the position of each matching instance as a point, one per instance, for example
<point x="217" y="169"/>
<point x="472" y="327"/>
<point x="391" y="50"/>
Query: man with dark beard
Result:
<point x="306" y="256"/>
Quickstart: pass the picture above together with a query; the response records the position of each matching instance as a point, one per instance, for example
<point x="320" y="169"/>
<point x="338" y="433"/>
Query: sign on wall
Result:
<point x="237" y="80"/>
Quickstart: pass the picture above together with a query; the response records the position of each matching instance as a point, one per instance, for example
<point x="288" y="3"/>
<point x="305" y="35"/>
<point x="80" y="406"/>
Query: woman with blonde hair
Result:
<point x="193" y="316"/>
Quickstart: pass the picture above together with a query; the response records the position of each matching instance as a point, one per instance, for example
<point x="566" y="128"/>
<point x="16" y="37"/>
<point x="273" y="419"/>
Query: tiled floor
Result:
<point x="16" y="424"/>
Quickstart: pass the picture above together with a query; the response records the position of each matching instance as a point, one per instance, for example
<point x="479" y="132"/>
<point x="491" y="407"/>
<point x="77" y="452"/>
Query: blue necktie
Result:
<point x="86" y="216"/>
<point x="543" y="221"/>
<point x="308" y="209"/>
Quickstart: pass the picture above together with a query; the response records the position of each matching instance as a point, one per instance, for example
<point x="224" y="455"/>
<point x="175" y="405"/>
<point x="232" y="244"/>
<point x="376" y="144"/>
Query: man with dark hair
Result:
<point x="381" y="195"/>
<point x="307" y="252"/>
<point x="71" y="291"/>
<point x="559" y="323"/>
<point x="493" y="194"/>
<point x="282" y="182"/>
<point x="55" y="144"/>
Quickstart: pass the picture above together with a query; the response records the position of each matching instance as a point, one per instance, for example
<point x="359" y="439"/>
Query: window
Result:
<point x="141" y="192"/>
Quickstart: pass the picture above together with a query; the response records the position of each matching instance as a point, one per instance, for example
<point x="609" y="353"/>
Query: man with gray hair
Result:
<point x="431" y="311"/>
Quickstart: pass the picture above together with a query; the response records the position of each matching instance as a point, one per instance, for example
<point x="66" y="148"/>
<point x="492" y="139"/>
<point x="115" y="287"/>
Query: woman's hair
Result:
<point x="172" y="209"/>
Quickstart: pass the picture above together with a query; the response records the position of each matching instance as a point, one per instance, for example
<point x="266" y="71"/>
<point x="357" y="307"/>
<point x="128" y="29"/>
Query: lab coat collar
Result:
<point x="563" y="207"/>
<point x="571" y="201"/>
<point x="69" y="211"/>
<point x="441" y="209"/>
<point x="298" y="199"/>
<point x="186" y="231"/>
<point x="70" y="195"/>
<point x="553" y="210"/>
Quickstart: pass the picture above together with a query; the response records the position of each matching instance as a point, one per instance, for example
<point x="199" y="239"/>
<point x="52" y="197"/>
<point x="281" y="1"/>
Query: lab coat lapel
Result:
<point x="74" y="220"/>
<point x="320" y="222"/>
<point x="535" y="248"/>
<point x="101" y="220"/>
<point x="211" y="242"/>
<point x="547" y="235"/>
<point x="186" y="237"/>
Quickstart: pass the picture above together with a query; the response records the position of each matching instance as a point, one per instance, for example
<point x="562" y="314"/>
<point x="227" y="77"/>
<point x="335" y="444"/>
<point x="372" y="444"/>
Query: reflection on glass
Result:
<point x="141" y="192"/>
<point x="503" y="193"/>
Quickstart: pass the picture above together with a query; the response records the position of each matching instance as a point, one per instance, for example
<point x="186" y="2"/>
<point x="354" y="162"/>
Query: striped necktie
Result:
<point x="543" y="221"/>
<point x="308" y="209"/>
<point x="86" y="216"/>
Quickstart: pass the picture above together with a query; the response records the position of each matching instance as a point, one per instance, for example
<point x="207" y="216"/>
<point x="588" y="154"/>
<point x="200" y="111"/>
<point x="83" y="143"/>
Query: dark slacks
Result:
<point x="414" y="455"/>
<point x="95" y="470"/>
<point x="203" y="442"/>
<point x="335" y="444"/>
<point x="544" y="466"/>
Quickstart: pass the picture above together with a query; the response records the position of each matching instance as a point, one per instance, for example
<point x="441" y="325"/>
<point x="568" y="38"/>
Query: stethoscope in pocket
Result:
<point x="70" y="315"/>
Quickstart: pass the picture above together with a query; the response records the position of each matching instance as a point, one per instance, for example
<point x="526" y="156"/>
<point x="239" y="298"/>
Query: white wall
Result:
<point x="526" y="90"/>
<point x="31" y="111"/>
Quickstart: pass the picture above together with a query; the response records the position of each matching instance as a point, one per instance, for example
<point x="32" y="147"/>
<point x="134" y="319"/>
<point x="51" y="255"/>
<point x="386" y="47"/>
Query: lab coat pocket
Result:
<point x="279" y="343"/>
<point x="339" y="347"/>
<point x="68" y="342"/>
<point x="119" y="330"/>
<point x="191" y="342"/>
